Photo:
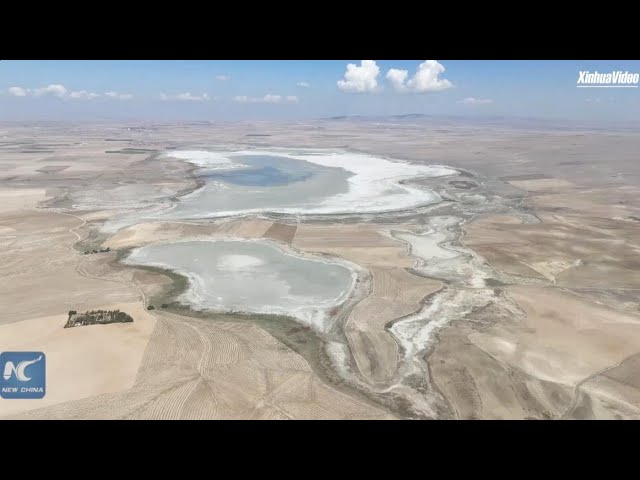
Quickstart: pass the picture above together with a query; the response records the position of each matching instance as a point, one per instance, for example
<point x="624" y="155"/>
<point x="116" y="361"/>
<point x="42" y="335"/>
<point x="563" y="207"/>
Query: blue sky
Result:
<point x="254" y="90"/>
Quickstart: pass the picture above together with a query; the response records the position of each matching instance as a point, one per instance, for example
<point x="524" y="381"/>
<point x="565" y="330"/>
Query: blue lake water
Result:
<point x="293" y="182"/>
<point x="258" y="182"/>
<point x="265" y="171"/>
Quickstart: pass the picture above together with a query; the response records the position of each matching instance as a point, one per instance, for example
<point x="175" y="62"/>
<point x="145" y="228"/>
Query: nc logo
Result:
<point x="23" y="375"/>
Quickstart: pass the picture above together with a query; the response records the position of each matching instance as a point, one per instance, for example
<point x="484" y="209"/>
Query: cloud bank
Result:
<point x="360" y="79"/>
<point x="186" y="97"/>
<point x="83" y="95"/>
<point x="60" y="91"/>
<point x="476" y="101"/>
<point x="363" y="78"/>
<point x="426" y="79"/>
<point x="118" y="96"/>
<point x="268" y="98"/>
<point x="18" y="91"/>
<point x="57" y="90"/>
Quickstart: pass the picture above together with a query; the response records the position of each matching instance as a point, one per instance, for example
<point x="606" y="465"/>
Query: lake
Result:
<point x="251" y="276"/>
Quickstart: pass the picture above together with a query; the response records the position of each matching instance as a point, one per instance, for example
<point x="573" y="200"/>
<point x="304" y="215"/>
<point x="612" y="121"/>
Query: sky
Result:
<point x="299" y="90"/>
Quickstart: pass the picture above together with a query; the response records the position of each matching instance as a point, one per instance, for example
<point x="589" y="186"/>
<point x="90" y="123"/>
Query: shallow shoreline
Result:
<point x="414" y="170"/>
<point x="302" y="339"/>
<point x="391" y="399"/>
<point x="182" y="294"/>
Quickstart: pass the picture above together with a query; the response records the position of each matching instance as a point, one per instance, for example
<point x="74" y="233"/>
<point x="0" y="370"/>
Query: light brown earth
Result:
<point x="149" y="232"/>
<point x="198" y="369"/>
<point x="281" y="232"/>
<point x="82" y="361"/>
<point x="571" y="355"/>
<point x="39" y="270"/>
<point x="39" y="283"/>
<point x="395" y="292"/>
<point x="563" y="338"/>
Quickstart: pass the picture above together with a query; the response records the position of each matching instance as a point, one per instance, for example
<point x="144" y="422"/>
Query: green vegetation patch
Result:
<point x="96" y="317"/>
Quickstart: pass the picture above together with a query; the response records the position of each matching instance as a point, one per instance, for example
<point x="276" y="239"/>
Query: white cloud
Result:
<point x="594" y="100"/>
<point x="19" y="91"/>
<point x="303" y="84"/>
<point x="270" y="98"/>
<point x="241" y="99"/>
<point x="246" y="99"/>
<point x="54" y="89"/>
<point x="397" y="78"/>
<point x="223" y="78"/>
<point x="119" y="96"/>
<point x="476" y="101"/>
<point x="83" y="95"/>
<point x="61" y="92"/>
<point x="361" y="78"/>
<point x="426" y="78"/>
<point x="192" y="98"/>
<point x="186" y="96"/>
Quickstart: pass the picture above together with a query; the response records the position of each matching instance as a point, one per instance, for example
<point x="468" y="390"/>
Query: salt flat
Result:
<point x="252" y="276"/>
<point x="317" y="181"/>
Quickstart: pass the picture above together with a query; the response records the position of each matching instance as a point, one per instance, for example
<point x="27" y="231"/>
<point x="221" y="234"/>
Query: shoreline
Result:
<point x="329" y="345"/>
<point x="400" y="398"/>
<point x="352" y="293"/>
<point x="312" y="345"/>
<point x="374" y="185"/>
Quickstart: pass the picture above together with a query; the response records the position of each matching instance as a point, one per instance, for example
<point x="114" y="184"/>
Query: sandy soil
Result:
<point x="40" y="274"/>
<point x="543" y="185"/>
<point x="566" y="356"/>
<point x="150" y="232"/>
<point x="83" y="361"/>
<point x="563" y="338"/>
<point x="15" y="199"/>
<point x="198" y="369"/>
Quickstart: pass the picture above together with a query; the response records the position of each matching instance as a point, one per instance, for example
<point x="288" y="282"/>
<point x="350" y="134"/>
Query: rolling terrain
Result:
<point x="514" y="297"/>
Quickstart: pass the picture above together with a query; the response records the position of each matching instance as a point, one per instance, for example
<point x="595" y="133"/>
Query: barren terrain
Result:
<point x="514" y="297"/>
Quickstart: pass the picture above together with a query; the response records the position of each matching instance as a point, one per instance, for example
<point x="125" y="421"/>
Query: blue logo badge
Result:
<point x="23" y="374"/>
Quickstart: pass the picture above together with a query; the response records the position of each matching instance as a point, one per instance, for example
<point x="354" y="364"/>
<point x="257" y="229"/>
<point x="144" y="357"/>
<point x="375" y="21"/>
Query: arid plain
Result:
<point x="517" y="295"/>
